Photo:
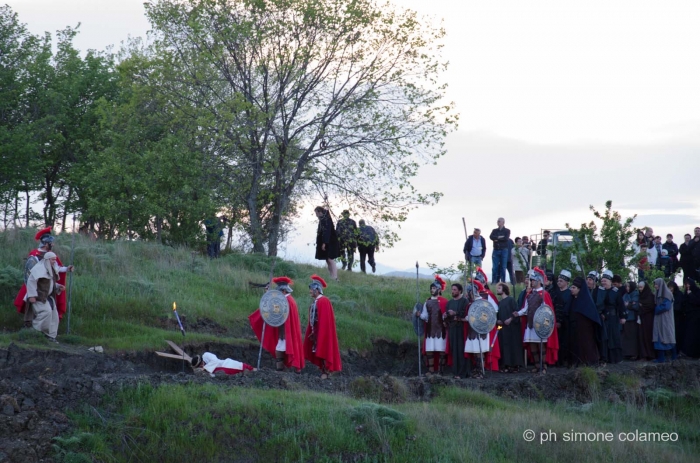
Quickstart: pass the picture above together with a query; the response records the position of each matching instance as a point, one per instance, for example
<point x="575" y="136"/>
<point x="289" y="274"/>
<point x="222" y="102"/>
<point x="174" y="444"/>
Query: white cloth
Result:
<point x="213" y="363"/>
<point x="472" y="345"/>
<point x="46" y="317"/>
<point x="281" y="345"/>
<point x="435" y="344"/>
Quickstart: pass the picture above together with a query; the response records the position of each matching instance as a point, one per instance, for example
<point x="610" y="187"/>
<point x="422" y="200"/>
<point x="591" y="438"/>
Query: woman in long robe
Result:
<point x="678" y="313"/>
<point x="327" y="244"/>
<point x="588" y="322"/>
<point x="664" y="336"/>
<point x="691" y="336"/>
<point x="630" y="330"/>
<point x="510" y="335"/>
<point x="647" y="304"/>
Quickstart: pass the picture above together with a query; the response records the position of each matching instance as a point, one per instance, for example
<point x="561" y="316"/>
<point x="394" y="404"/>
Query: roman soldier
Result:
<point x="533" y="301"/>
<point x="321" y="341"/>
<point x="283" y="342"/>
<point x="433" y="314"/>
<point x="45" y="240"/>
<point x="494" y="351"/>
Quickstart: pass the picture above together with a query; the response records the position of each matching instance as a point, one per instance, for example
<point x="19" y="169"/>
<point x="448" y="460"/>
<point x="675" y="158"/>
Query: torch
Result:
<point x="178" y="319"/>
<point x="499" y="328"/>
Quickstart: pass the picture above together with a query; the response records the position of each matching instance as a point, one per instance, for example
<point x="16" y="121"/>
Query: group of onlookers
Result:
<point x="667" y="255"/>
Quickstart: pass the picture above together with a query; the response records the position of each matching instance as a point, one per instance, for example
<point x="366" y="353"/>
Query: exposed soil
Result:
<point x="37" y="387"/>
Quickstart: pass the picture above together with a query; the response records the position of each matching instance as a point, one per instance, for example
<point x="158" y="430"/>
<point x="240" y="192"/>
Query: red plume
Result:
<point x="479" y="287"/>
<point x="441" y="281"/>
<point x="319" y="279"/>
<point x="282" y="280"/>
<point x="41" y="233"/>
<point x="541" y="272"/>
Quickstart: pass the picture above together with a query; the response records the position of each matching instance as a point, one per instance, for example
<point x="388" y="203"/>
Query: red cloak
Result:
<point x="492" y="357"/>
<point x="292" y="335"/>
<point x="60" y="299"/>
<point x="552" y="344"/>
<point x="327" y="350"/>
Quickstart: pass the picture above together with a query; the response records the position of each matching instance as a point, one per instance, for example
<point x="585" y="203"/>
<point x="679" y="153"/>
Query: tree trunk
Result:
<point x="158" y="230"/>
<point x="27" y="193"/>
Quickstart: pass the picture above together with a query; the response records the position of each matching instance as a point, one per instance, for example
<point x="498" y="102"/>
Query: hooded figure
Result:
<point x="630" y="330"/>
<point x="588" y="323"/>
<point x="664" y="333"/>
<point x="647" y="306"/>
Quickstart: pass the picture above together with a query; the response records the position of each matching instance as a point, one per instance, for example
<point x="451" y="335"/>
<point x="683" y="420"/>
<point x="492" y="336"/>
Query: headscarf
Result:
<point x="663" y="292"/>
<point x="50" y="270"/>
<point x="583" y="303"/>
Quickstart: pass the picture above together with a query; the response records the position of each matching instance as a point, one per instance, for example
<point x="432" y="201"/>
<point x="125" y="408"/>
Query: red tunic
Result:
<point x="60" y="299"/>
<point x="292" y="335"/>
<point x="327" y="351"/>
<point x="552" y="344"/>
<point x="492" y="357"/>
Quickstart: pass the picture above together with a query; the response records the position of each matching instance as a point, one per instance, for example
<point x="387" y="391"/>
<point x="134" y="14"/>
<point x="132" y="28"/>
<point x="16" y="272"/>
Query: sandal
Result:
<point x="506" y="370"/>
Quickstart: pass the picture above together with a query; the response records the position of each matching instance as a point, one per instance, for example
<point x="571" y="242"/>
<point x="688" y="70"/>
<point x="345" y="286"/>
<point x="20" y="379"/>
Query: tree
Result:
<point x="301" y="98"/>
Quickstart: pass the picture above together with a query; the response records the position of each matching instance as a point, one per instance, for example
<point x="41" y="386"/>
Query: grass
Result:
<point x="123" y="293"/>
<point x="215" y="423"/>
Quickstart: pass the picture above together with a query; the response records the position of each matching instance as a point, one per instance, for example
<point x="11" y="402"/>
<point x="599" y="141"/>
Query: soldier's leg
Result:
<point x="280" y="356"/>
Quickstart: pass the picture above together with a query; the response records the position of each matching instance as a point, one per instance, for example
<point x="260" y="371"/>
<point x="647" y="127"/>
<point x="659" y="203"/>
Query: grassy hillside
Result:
<point x="210" y="423"/>
<point x="123" y="294"/>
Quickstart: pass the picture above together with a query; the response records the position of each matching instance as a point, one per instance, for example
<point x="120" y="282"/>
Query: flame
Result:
<point x="500" y="327"/>
<point x="174" y="307"/>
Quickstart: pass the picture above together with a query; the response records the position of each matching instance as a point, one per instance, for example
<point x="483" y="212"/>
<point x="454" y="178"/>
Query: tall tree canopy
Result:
<point x="298" y="97"/>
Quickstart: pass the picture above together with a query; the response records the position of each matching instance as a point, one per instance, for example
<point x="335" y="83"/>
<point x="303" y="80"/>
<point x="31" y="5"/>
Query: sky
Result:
<point x="562" y="105"/>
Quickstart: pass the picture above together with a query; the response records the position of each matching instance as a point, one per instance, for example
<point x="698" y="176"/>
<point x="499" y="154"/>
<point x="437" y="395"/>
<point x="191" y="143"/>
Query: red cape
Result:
<point x="292" y="335"/>
<point x="327" y="349"/>
<point x="60" y="299"/>
<point x="233" y="371"/>
<point x="552" y="344"/>
<point x="494" y="355"/>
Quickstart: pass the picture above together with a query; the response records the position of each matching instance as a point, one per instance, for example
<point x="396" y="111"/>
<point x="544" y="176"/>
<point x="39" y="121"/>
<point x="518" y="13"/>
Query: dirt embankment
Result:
<point x="37" y="387"/>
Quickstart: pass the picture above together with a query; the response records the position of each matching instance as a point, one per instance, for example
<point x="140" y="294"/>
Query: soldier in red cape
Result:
<point x="46" y="244"/>
<point x="532" y="302"/>
<point x="435" y="345"/>
<point x="321" y="341"/>
<point x="283" y="342"/>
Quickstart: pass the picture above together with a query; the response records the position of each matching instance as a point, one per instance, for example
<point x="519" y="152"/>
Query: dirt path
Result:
<point x="38" y="386"/>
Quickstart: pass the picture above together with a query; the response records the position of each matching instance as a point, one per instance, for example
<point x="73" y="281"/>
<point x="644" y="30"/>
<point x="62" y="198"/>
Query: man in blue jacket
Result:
<point x="475" y="248"/>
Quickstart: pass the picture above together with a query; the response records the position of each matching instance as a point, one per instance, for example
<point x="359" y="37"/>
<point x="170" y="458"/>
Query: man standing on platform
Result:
<point x="283" y="342"/>
<point x="500" y="237"/>
<point x="475" y="249"/>
<point x="321" y="341"/>
<point x="367" y="244"/>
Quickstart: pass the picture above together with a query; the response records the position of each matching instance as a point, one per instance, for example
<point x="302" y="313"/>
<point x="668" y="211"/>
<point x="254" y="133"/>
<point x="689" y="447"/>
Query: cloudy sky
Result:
<point x="563" y="105"/>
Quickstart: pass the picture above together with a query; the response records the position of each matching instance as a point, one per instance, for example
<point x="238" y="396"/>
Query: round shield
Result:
<point x="543" y="322"/>
<point x="418" y="325"/>
<point x="274" y="308"/>
<point x="481" y="316"/>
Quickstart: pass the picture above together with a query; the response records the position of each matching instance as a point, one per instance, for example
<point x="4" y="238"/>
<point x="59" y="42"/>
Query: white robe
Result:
<point x="212" y="364"/>
<point x="530" y="334"/>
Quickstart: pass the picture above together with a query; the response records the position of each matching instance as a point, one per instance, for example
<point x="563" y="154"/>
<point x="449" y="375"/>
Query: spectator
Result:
<point x="215" y="230"/>
<point x="647" y="304"/>
<point x="327" y="245"/>
<point x="644" y="264"/>
<point x="664" y="263"/>
<point x="657" y="247"/>
<point x="639" y="241"/>
<point x="664" y="326"/>
<point x="649" y="237"/>
<point x="475" y="248"/>
<point x="367" y="244"/>
<point x="630" y="330"/>
<point x="346" y="230"/>
<point x="500" y="237"/>
<point x="672" y="249"/>
<point x="686" y="260"/>
<point x="526" y="252"/>
<point x="678" y="313"/>
<point x="691" y="335"/>
<point x="509" y="266"/>
<point x="694" y="248"/>
<point x="542" y="249"/>
<point x="519" y="260"/>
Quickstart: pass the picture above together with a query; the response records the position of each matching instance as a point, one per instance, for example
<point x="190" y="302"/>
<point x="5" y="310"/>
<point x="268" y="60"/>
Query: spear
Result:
<point x="70" y="276"/>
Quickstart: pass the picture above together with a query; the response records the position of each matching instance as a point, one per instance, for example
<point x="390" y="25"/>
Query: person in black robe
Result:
<point x="613" y="315"/>
<point x="691" y="335"/>
<point x="630" y="330"/>
<point x="455" y="316"/>
<point x="566" y="322"/>
<point x="510" y="337"/>
<point x="327" y="244"/>
<point x="647" y="307"/>
<point x="587" y="323"/>
<point x="678" y="313"/>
